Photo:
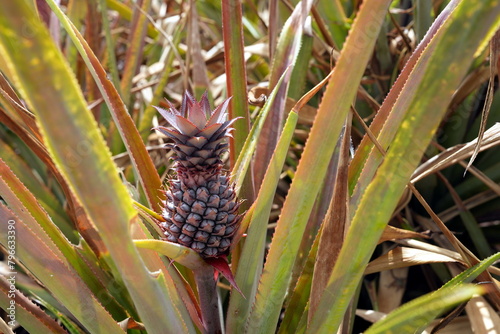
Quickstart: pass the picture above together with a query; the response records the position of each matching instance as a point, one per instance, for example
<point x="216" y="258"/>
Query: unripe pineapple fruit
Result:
<point x="201" y="209"/>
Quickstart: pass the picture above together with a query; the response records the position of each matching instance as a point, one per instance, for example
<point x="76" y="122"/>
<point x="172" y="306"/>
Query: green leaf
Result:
<point x="78" y="149"/>
<point x="44" y="264"/>
<point x="252" y="256"/>
<point x="411" y="73"/>
<point x="26" y="207"/>
<point x="335" y="20"/>
<point x="40" y="191"/>
<point x="236" y="84"/>
<point x="421" y="311"/>
<point x="139" y="155"/>
<point x="470" y="274"/>
<point x="29" y="315"/>
<point x="469" y="26"/>
<point x="284" y="58"/>
<point x="232" y="30"/>
<point x="312" y="168"/>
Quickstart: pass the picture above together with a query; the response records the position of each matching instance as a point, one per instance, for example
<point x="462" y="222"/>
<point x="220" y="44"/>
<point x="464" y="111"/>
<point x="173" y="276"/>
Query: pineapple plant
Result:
<point x="201" y="207"/>
<point x="311" y="257"/>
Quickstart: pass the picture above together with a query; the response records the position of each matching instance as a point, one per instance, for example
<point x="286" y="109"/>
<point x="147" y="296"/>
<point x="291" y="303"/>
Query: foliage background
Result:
<point x="359" y="120"/>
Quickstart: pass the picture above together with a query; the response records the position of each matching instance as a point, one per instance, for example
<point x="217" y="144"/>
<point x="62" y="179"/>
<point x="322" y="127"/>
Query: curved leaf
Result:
<point x="79" y="151"/>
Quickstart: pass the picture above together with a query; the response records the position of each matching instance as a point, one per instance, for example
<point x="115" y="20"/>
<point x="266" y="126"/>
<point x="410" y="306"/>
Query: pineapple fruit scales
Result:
<point x="201" y="207"/>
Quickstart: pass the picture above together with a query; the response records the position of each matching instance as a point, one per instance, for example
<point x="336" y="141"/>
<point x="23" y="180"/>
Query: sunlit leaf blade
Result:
<point x="44" y="264"/>
<point x="411" y="74"/>
<point x="467" y="276"/>
<point x="419" y="312"/>
<point x="26" y="207"/>
<point x="456" y="47"/>
<point x="29" y="315"/>
<point x="312" y="169"/>
<point x="252" y="256"/>
<point x="401" y="257"/>
<point x="139" y="155"/>
<point x="79" y="151"/>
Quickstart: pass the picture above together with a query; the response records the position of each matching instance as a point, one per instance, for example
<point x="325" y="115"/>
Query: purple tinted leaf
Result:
<point x="220" y="263"/>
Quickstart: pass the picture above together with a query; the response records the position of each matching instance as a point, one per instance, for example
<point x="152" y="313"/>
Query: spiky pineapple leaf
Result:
<point x="470" y="274"/>
<point x="79" y="151"/>
<point x="421" y="311"/>
<point x="41" y="192"/>
<point x="139" y="155"/>
<point x="312" y="168"/>
<point x="457" y="46"/>
<point x="335" y="20"/>
<point x="232" y="33"/>
<point x="411" y="73"/>
<point x="45" y="264"/>
<point x="250" y="263"/>
<point x="27" y="208"/>
<point x="26" y="312"/>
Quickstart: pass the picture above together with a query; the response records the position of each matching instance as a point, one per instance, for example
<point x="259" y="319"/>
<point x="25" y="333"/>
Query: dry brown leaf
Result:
<point x="456" y="153"/>
<point x="394" y="233"/>
<point x="401" y="257"/>
<point x="391" y="287"/>
<point x="494" y="55"/>
<point x="484" y="320"/>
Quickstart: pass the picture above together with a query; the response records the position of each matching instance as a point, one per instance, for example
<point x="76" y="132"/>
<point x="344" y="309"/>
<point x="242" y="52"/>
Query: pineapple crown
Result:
<point x="197" y="131"/>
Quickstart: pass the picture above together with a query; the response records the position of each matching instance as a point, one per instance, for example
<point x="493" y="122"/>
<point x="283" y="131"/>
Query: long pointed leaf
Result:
<point x="337" y="100"/>
<point x="252" y="257"/>
<point x="447" y="66"/>
<point x="139" y="155"/>
<point x="285" y="57"/>
<point x="44" y="264"/>
<point x="79" y="151"/>
<point x="421" y="311"/>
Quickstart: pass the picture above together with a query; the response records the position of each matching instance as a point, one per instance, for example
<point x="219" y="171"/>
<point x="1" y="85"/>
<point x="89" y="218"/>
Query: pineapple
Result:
<point x="201" y="209"/>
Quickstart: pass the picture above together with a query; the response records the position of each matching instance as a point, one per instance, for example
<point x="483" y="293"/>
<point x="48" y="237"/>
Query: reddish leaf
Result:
<point x="222" y="266"/>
